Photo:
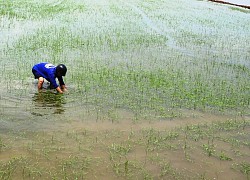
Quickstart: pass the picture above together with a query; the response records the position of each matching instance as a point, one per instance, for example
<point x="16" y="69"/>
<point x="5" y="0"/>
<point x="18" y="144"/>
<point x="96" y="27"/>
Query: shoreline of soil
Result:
<point x="231" y="3"/>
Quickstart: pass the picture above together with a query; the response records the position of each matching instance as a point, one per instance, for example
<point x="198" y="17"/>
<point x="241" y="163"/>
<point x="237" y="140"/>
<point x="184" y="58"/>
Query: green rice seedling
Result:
<point x="112" y="115"/>
<point x="16" y="165"/>
<point x="30" y="146"/>
<point x="2" y="145"/>
<point x="230" y="125"/>
<point x="196" y="132"/>
<point x="243" y="167"/>
<point x="224" y="157"/>
<point x="186" y="146"/>
<point x="118" y="156"/>
<point x="31" y="171"/>
<point x="157" y="140"/>
<point x="70" y="164"/>
<point x="202" y="176"/>
<point x="209" y="148"/>
<point x="120" y="149"/>
<point x="234" y="142"/>
<point x="168" y="171"/>
<point x="36" y="10"/>
<point x="116" y="167"/>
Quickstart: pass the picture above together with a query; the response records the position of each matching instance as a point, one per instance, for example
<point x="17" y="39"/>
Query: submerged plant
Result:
<point x="2" y="145"/>
<point x="244" y="167"/>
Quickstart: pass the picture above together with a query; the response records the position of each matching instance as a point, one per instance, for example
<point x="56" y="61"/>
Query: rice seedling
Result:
<point x="21" y="165"/>
<point x="209" y="149"/>
<point x="170" y="172"/>
<point x="224" y="157"/>
<point x="120" y="149"/>
<point x="2" y="145"/>
<point x="68" y="166"/>
<point x="243" y="167"/>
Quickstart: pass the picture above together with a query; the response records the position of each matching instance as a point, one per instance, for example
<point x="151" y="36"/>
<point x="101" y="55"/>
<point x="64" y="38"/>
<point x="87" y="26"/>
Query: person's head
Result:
<point x="61" y="70"/>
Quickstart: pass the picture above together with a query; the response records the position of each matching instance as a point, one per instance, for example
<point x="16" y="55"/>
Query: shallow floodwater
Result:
<point x="156" y="90"/>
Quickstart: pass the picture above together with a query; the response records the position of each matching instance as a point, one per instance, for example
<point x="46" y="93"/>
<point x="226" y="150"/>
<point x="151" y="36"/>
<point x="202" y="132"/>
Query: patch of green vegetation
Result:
<point x="69" y="165"/>
<point x="244" y="167"/>
<point x="62" y="39"/>
<point x="36" y="9"/>
<point x="224" y="157"/>
<point x="19" y="165"/>
<point x="146" y="152"/>
<point x="178" y="81"/>
<point x="167" y="171"/>
<point x="2" y="145"/>
<point x="162" y="89"/>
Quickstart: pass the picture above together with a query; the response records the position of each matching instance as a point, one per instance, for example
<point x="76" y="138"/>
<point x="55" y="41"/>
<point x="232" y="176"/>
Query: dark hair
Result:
<point x="61" y="70"/>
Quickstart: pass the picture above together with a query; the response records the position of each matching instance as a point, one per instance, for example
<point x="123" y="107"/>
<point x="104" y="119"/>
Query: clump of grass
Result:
<point x="244" y="167"/>
<point x="120" y="149"/>
<point x="68" y="166"/>
<point x="209" y="149"/>
<point x="21" y="166"/>
<point x="2" y="145"/>
<point x="167" y="171"/>
<point x="224" y="157"/>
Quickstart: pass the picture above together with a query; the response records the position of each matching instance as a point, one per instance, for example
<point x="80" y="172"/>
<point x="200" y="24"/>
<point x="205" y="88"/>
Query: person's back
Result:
<point x="50" y="73"/>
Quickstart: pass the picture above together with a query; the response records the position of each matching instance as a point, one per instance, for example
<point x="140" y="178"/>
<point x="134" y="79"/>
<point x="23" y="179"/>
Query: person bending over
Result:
<point x="50" y="73"/>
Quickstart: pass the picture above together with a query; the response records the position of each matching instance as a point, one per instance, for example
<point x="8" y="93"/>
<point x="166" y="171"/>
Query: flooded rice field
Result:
<point x="156" y="90"/>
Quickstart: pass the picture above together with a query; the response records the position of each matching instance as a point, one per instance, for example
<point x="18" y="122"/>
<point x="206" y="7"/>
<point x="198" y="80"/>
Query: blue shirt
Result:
<point x="48" y="71"/>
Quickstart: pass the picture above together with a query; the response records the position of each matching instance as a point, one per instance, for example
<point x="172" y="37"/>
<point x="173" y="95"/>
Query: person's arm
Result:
<point x="52" y="80"/>
<point x="62" y="84"/>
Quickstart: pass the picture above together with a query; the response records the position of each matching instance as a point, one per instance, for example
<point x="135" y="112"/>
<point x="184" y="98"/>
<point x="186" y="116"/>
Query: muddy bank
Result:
<point x="233" y="3"/>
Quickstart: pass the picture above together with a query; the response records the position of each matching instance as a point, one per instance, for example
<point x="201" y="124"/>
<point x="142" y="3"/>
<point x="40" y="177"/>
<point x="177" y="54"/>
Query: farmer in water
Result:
<point x="50" y="73"/>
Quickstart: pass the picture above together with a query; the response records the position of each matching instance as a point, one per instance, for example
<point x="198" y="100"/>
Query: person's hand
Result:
<point x="59" y="90"/>
<point x="64" y="89"/>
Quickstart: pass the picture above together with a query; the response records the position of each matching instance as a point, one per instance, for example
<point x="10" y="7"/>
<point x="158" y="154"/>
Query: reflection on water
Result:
<point x="46" y="101"/>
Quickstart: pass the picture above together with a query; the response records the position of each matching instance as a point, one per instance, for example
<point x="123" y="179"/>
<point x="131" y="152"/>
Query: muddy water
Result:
<point x="43" y="130"/>
<point x="51" y="130"/>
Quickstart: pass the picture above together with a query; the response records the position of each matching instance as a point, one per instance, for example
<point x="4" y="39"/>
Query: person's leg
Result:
<point x="40" y="83"/>
<point x="39" y="77"/>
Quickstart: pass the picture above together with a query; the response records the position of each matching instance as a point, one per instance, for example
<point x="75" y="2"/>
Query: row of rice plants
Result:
<point x="190" y="84"/>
